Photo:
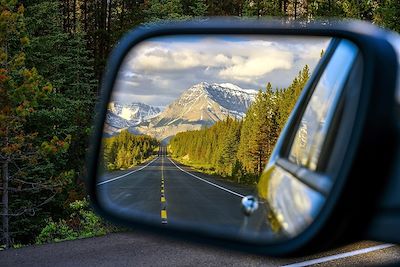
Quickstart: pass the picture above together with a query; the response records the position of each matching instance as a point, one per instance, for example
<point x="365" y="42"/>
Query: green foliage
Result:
<point x="126" y="150"/>
<point x="55" y="232"/>
<point x="50" y="122"/>
<point x="24" y="94"/>
<point x="262" y="8"/>
<point x="17" y="245"/>
<point x="164" y="10"/>
<point x="81" y="223"/>
<point x="210" y="146"/>
<point x="387" y="14"/>
<point x="52" y="54"/>
<point x="158" y="10"/>
<point x="195" y="8"/>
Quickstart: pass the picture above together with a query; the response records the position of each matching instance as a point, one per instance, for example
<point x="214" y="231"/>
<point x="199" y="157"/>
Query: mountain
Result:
<point x="206" y="104"/>
<point x="201" y="105"/>
<point x="134" y="112"/>
<point x="121" y="116"/>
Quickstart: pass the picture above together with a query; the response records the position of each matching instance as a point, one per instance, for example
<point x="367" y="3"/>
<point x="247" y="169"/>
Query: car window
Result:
<point x="311" y="134"/>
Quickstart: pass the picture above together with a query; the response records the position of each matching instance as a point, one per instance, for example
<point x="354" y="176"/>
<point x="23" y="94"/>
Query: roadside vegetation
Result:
<point x="127" y="150"/>
<point x="81" y="222"/>
<point x="52" y="55"/>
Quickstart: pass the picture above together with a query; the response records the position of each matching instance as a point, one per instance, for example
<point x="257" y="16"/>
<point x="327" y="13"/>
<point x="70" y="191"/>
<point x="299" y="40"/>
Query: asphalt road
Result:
<point x="172" y="192"/>
<point x="142" y="249"/>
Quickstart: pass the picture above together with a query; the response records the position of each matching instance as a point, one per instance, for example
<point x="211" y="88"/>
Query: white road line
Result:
<point x="126" y="174"/>
<point x="339" y="256"/>
<point x="208" y="182"/>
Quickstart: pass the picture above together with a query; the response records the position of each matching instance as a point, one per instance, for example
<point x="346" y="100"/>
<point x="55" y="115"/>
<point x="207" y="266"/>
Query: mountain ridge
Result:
<point x="201" y="105"/>
<point x="207" y="103"/>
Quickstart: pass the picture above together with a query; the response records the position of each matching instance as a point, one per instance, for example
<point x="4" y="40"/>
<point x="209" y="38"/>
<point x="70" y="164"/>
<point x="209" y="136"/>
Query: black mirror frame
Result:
<point x="337" y="218"/>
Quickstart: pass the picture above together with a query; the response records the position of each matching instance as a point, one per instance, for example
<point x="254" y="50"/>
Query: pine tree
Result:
<point x="63" y="59"/>
<point x="387" y="14"/>
<point x="24" y="156"/>
<point x="194" y="8"/>
<point x="254" y="138"/>
<point x="126" y="150"/>
<point x="228" y="147"/>
<point x="164" y="10"/>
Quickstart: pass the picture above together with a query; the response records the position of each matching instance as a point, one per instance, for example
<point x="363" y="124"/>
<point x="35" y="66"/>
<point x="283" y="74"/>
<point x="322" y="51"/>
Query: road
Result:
<point x="171" y="192"/>
<point x="143" y="249"/>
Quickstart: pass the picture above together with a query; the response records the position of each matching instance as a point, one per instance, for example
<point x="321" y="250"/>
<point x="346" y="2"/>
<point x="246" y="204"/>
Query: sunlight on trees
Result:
<point x="237" y="149"/>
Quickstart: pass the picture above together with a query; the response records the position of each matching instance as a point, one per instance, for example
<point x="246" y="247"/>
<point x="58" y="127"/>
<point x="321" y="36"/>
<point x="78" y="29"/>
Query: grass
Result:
<point x="209" y="169"/>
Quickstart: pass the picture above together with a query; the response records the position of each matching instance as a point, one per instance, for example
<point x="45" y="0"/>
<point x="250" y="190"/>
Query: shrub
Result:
<point x="82" y="223"/>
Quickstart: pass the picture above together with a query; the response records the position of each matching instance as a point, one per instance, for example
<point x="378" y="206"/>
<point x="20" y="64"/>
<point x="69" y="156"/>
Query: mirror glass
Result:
<point x="193" y="120"/>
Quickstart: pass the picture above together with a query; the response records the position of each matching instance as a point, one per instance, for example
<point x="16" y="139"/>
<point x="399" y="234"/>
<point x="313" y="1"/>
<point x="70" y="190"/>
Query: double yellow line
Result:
<point x="164" y="216"/>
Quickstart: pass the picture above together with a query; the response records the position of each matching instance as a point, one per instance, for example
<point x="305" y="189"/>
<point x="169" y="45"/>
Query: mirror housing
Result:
<point x="353" y="209"/>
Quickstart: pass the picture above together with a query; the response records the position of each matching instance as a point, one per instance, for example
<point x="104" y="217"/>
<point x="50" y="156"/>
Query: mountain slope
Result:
<point x="121" y="116"/>
<point x="206" y="104"/>
<point x="134" y="112"/>
<point x="201" y="105"/>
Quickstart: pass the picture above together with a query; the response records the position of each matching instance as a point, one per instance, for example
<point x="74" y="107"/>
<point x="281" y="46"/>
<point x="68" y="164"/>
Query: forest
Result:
<point x="127" y="150"/>
<point x="239" y="149"/>
<point x="52" y="56"/>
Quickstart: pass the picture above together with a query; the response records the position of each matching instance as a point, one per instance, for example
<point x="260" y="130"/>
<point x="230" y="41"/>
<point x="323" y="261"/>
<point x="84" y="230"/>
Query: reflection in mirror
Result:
<point x="320" y="111"/>
<point x="191" y="124"/>
<point x="295" y="198"/>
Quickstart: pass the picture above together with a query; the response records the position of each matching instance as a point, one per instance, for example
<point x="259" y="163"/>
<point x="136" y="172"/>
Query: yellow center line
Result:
<point x="163" y="199"/>
<point x="163" y="214"/>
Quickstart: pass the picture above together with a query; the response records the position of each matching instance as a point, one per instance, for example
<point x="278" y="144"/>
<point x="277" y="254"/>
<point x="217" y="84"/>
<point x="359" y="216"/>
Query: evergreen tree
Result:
<point x="228" y="148"/>
<point x="126" y="150"/>
<point x="258" y="132"/>
<point x="63" y="59"/>
<point x="387" y="14"/>
<point x="164" y="10"/>
<point x="29" y="181"/>
<point x="194" y="8"/>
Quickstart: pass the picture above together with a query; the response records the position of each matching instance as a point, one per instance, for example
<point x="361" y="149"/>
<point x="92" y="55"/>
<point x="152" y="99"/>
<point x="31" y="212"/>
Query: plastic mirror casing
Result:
<point x="356" y="207"/>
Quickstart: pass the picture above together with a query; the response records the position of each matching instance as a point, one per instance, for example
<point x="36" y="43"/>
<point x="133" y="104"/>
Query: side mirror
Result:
<point x="262" y="136"/>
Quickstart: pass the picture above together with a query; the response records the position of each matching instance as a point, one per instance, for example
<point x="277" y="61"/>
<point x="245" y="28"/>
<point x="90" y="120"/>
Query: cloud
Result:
<point x="257" y="57"/>
<point x="159" y="70"/>
<point x="258" y="65"/>
<point x="154" y="100"/>
<point x="158" y="58"/>
<point x="132" y="83"/>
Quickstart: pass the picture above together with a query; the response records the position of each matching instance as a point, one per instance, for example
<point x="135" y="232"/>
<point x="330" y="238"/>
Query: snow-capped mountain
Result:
<point x="134" y="112"/>
<point x="206" y="104"/>
<point x="201" y="105"/>
<point x="117" y="122"/>
<point x="121" y="116"/>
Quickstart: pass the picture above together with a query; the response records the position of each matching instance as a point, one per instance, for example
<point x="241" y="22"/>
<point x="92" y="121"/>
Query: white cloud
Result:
<point x="258" y="65"/>
<point x="159" y="58"/>
<point x="132" y="83"/>
<point x="240" y="60"/>
<point x="160" y="69"/>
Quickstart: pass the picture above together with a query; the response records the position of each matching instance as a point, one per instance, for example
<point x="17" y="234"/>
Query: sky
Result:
<point x="158" y="70"/>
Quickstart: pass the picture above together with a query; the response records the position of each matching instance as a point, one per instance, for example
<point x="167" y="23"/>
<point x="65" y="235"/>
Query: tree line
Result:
<point x="52" y="55"/>
<point x="239" y="149"/>
<point x="126" y="150"/>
